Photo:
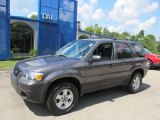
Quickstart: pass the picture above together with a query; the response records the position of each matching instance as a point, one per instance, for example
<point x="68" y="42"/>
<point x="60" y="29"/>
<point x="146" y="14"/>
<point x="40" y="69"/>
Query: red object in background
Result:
<point x="153" y="59"/>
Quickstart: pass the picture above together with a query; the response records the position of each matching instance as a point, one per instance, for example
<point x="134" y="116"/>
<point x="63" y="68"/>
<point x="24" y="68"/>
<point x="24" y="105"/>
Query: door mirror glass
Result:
<point x="96" y="58"/>
<point x="141" y="55"/>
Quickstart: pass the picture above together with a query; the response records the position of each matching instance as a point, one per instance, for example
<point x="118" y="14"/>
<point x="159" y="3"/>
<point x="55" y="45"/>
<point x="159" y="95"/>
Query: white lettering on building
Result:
<point x="47" y="16"/>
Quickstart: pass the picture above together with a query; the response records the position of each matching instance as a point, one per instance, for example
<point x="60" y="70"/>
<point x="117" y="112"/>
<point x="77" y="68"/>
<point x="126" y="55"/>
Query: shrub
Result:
<point x="33" y="52"/>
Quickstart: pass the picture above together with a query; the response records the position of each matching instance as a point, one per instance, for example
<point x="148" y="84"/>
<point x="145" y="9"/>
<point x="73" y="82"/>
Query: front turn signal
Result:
<point x="38" y="76"/>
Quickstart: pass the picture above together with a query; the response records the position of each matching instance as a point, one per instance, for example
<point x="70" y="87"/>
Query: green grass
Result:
<point x="11" y="63"/>
<point x="7" y="64"/>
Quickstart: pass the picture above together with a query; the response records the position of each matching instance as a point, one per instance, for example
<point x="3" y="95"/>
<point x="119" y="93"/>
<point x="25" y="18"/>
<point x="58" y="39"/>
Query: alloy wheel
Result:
<point x="64" y="99"/>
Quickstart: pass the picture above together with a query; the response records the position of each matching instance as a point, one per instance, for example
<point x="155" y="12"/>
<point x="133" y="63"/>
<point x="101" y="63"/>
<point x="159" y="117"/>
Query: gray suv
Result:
<point x="78" y="68"/>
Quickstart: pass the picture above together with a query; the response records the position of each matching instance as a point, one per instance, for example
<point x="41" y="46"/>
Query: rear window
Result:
<point x="138" y="50"/>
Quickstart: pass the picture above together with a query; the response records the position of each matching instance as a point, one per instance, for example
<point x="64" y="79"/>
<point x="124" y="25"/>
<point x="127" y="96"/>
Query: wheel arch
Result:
<point x="150" y="60"/>
<point x="139" y="70"/>
<point x="72" y="80"/>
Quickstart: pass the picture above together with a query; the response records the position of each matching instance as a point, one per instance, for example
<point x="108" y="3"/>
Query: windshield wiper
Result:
<point x="63" y="56"/>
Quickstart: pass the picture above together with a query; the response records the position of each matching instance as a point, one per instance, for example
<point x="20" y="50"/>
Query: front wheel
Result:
<point x="62" y="98"/>
<point x="135" y="83"/>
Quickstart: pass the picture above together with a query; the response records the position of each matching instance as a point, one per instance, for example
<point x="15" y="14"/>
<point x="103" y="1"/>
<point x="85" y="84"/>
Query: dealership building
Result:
<point x="54" y="27"/>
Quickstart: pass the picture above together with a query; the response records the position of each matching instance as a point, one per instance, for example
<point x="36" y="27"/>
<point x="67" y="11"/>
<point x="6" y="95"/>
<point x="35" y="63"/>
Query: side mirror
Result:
<point x="95" y="58"/>
<point x="142" y="55"/>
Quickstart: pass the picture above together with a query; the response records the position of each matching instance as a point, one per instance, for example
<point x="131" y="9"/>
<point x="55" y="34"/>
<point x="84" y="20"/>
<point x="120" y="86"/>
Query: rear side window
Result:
<point x="123" y="51"/>
<point x="138" y="50"/>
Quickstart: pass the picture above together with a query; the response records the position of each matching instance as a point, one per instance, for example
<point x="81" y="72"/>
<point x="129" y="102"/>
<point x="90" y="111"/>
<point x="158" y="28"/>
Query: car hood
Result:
<point x="153" y="55"/>
<point x="44" y="62"/>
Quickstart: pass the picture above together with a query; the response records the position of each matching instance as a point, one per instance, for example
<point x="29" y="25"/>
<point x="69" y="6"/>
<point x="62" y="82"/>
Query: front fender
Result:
<point x="65" y="73"/>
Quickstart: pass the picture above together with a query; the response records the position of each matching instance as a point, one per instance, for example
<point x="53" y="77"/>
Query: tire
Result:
<point x="150" y="64"/>
<point x="57" y="101"/>
<point x="135" y="83"/>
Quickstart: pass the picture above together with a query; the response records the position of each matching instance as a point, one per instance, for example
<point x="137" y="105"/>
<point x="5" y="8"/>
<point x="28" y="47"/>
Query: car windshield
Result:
<point x="76" y="50"/>
<point x="147" y="51"/>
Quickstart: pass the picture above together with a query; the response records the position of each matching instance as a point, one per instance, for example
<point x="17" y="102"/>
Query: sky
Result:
<point x="117" y="15"/>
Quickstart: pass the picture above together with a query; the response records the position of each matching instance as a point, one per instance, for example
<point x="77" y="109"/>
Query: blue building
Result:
<point x="54" y="27"/>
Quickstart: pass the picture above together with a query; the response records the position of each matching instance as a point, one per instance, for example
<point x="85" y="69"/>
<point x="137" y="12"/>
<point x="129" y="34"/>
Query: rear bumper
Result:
<point x="33" y="91"/>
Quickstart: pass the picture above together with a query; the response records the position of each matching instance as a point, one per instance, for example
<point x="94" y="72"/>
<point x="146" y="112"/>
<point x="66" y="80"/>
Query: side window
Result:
<point x="138" y="50"/>
<point x="123" y="51"/>
<point x="104" y="50"/>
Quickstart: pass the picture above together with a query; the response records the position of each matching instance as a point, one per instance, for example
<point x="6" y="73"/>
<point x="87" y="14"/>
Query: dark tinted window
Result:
<point x="123" y="51"/>
<point x="138" y="50"/>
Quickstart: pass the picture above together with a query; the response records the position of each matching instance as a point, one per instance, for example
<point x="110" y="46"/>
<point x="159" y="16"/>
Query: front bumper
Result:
<point x="157" y="64"/>
<point x="33" y="91"/>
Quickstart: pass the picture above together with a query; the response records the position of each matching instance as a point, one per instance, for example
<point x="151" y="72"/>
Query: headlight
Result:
<point x="30" y="75"/>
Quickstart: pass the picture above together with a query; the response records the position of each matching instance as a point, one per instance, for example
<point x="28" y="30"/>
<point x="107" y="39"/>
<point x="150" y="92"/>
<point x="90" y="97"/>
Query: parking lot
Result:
<point x="110" y="104"/>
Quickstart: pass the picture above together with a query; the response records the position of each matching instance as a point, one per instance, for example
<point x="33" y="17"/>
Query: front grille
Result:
<point x="158" y="56"/>
<point x="16" y="71"/>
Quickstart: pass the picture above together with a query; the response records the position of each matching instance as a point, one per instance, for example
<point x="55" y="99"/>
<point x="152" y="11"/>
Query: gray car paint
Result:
<point x="92" y="76"/>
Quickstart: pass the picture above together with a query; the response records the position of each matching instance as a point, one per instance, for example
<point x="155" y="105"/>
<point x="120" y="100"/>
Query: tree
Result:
<point x="113" y="34"/>
<point x="98" y="30"/>
<point x="122" y="37"/>
<point x="158" y="47"/>
<point x="141" y="33"/>
<point x="94" y="29"/>
<point x="89" y="29"/>
<point x="126" y="33"/>
<point x="133" y="37"/>
<point x="106" y="32"/>
<point x="149" y="43"/>
<point x="152" y="37"/>
<point x="34" y="16"/>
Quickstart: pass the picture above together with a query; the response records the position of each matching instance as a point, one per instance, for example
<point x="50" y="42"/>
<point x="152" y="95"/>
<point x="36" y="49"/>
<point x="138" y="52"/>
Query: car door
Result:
<point x="100" y="74"/>
<point x="124" y="62"/>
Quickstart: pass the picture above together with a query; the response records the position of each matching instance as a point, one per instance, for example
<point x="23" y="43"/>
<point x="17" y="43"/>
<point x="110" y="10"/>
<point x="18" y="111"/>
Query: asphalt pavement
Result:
<point x="110" y="104"/>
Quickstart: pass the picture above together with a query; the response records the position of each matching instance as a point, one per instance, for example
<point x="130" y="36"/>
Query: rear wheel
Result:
<point x="135" y="83"/>
<point x="150" y="64"/>
<point x="62" y="98"/>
